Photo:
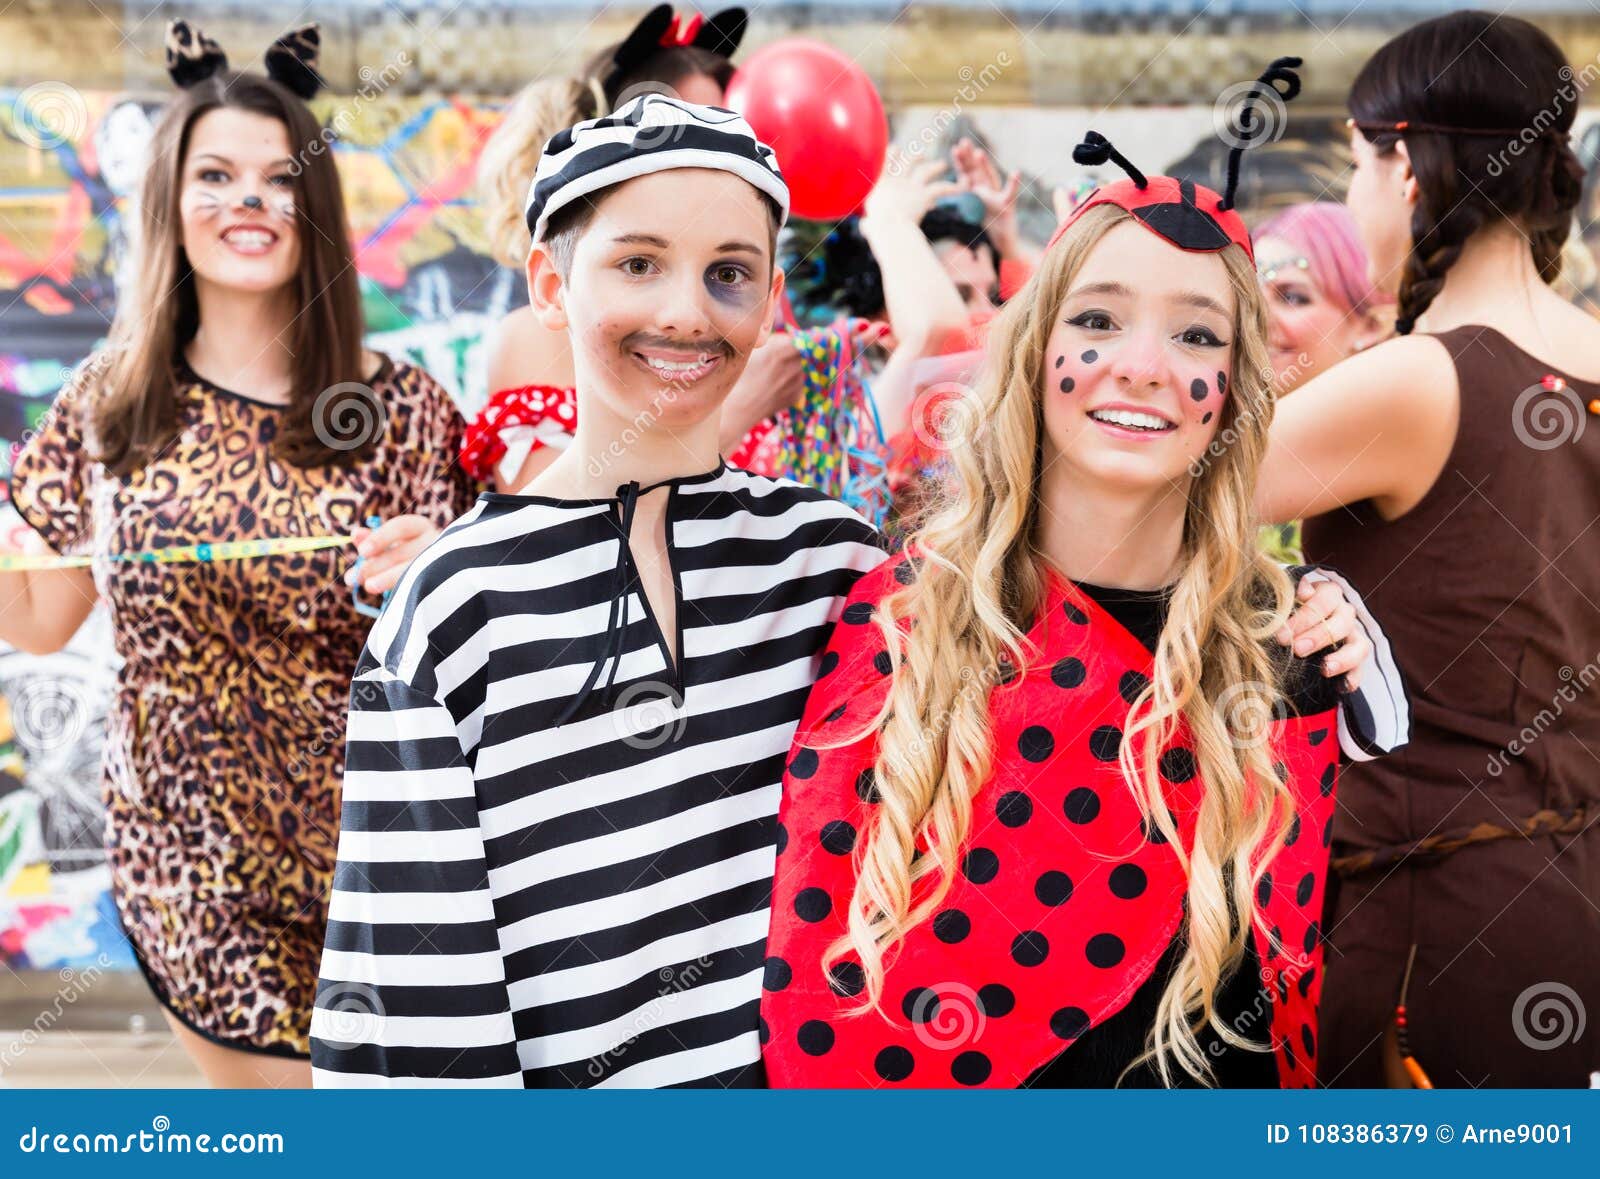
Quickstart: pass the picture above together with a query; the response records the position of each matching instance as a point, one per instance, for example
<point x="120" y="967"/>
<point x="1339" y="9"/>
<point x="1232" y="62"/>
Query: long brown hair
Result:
<point x="981" y="584"/>
<point x="135" y="415"/>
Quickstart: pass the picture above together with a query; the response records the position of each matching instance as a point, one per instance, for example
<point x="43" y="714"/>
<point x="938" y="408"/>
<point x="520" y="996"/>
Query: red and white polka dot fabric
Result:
<point x="1062" y="908"/>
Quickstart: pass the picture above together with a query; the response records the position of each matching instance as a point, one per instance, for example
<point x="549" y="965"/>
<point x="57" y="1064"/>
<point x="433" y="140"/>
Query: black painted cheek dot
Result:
<point x="1308" y="884"/>
<point x="815" y="1037"/>
<point x="1105" y="742"/>
<point x="1030" y="948"/>
<point x="829" y="662"/>
<point x="1053" y="888"/>
<point x="1222" y="382"/>
<point x="1014" y="808"/>
<point x="971" y="1068"/>
<point x="1105" y="950"/>
<point x="804" y="764"/>
<point x="1198" y="389"/>
<point x="894" y="1063"/>
<point x="1208" y="416"/>
<point x="1090" y="356"/>
<point x="1127" y="881"/>
<point x="1036" y="743"/>
<point x="838" y="838"/>
<point x="952" y="926"/>
<point x="1069" y="1023"/>
<point x="1082" y="805"/>
<point x="812" y="904"/>
<point x="1060" y="360"/>
<point x="777" y="975"/>
<point x="847" y="978"/>
<point x="867" y="785"/>
<point x="996" y="1000"/>
<point x="980" y="865"/>
<point x="920" y="1004"/>
<point x="1068" y="673"/>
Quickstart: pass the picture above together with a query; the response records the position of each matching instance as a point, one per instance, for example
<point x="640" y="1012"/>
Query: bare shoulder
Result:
<point x="1404" y="375"/>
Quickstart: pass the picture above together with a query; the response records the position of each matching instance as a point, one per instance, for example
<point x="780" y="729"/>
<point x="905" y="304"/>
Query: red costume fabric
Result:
<point x="1063" y="906"/>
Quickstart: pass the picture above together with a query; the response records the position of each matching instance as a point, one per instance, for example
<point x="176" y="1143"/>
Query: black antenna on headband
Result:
<point x="1281" y="70"/>
<point x="1096" y="149"/>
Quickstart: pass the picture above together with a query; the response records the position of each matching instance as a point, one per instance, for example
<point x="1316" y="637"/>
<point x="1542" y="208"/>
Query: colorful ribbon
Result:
<point x="222" y="550"/>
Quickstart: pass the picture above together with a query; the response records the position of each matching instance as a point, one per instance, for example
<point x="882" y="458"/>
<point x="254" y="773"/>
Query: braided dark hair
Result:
<point x="1449" y="76"/>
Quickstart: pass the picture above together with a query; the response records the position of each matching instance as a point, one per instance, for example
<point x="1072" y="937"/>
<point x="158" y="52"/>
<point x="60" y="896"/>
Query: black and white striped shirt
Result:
<point x="555" y="866"/>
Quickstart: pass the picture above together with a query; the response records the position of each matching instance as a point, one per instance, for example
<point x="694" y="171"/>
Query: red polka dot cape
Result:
<point x="1062" y="908"/>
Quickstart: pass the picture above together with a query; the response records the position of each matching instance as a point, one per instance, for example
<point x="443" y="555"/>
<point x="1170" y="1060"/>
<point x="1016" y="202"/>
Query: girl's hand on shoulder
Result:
<point x="1325" y="619"/>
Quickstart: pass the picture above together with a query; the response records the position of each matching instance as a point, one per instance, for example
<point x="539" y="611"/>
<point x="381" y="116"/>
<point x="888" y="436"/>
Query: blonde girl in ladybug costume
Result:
<point x="1058" y="810"/>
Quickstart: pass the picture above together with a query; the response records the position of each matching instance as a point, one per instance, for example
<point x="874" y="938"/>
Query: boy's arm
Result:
<point x="413" y="989"/>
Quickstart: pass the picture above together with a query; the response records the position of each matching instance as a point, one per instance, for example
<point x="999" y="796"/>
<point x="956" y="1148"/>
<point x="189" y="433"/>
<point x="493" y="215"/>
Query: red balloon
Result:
<point x="821" y="113"/>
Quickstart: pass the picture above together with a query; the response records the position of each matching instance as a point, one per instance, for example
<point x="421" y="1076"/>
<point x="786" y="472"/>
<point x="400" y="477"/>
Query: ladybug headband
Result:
<point x="662" y="29"/>
<point x="1189" y="215"/>
<point x="291" y="60"/>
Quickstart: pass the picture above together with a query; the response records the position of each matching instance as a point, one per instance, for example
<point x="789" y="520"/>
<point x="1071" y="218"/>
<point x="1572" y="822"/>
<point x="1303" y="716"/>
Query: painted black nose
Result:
<point x="252" y="201"/>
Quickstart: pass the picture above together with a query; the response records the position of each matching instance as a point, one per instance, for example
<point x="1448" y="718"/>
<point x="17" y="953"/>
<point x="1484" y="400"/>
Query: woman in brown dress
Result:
<point x="234" y="402"/>
<point x="1454" y="473"/>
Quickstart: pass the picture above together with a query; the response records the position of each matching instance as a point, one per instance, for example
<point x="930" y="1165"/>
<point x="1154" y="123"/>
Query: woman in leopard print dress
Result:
<point x="202" y="421"/>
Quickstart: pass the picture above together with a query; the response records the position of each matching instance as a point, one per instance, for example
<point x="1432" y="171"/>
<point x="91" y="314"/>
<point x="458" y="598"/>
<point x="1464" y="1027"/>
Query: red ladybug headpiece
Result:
<point x="1189" y="215"/>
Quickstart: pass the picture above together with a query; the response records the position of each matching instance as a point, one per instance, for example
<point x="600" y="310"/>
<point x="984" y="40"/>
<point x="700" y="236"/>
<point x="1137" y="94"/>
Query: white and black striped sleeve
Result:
<point x="413" y="987"/>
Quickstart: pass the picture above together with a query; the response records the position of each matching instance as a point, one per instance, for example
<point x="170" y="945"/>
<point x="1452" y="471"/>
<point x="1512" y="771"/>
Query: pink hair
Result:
<point x="1325" y="233"/>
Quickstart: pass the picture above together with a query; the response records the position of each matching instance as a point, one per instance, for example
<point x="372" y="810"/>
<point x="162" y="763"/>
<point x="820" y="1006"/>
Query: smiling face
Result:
<point x="670" y="287"/>
<point x="1382" y="194"/>
<point x="1308" y="330"/>
<point x="1137" y="367"/>
<point x="236" y="201"/>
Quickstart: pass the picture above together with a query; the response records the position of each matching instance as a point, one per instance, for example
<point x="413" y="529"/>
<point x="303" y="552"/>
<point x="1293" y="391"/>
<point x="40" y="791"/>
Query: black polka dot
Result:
<point x="1313" y="935"/>
<point x="764" y="1031"/>
<point x="951" y="926"/>
<point x="882" y="663"/>
<point x="1281" y="772"/>
<point x="1127" y="881"/>
<point x="1198" y="389"/>
<point x="1036" y="743"/>
<point x="857" y="613"/>
<point x="1068" y="384"/>
<point x="1177" y="764"/>
<point x="1030" y="948"/>
<point x="1152" y="832"/>
<point x="777" y="975"/>
<point x="1264" y="889"/>
<point x="1308" y="1039"/>
<point x="1318" y="737"/>
<point x="847" y="978"/>
<point x="867" y="785"/>
<point x="804" y="764"/>
<point x="894" y="1063"/>
<point x="996" y="1000"/>
<point x="812" y="904"/>
<point x="920" y="1005"/>
<point x="1327" y="834"/>
<point x="1302" y="892"/>
<point x="1131" y="684"/>
<point x="1014" y="808"/>
<point x="905" y="572"/>
<point x="1082" y="805"/>
<point x="1293" y="833"/>
<point x="1328" y="777"/>
<point x="1288" y="1054"/>
<point x="1069" y="1023"/>
<point x="783" y="838"/>
<point x="1104" y="742"/>
<point x="836" y="714"/>
<point x="1305" y="982"/>
<point x="1006" y="673"/>
<point x="1105" y="950"/>
<point x="980" y="865"/>
<point x="971" y="1068"/>
<point x="1053" y="888"/>
<point x="1068" y="673"/>
<point x="1074" y="614"/>
<point x="815" y="1038"/>
<point x="838" y="838"/>
<point x="829" y="662"/>
<point x="1206" y="417"/>
<point x="1222" y="382"/>
<point x="1090" y="356"/>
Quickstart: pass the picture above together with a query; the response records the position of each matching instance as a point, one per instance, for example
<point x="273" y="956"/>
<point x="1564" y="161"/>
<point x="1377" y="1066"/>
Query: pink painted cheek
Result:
<point x="1206" y="396"/>
<point x="1067" y="376"/>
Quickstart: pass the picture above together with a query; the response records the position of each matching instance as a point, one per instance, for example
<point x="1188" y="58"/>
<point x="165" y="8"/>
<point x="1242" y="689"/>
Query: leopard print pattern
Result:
<point x="191" y="55"/>
<point x="292" y="60"/>
<point x="226" y="739"/>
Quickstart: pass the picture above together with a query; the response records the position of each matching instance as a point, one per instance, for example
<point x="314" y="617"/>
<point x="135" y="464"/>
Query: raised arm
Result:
<point x="1377" y="426"/>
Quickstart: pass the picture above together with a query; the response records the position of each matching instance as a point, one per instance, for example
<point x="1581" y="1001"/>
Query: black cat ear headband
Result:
<point x="291" y="60"/>
<point x="661" y="29"/>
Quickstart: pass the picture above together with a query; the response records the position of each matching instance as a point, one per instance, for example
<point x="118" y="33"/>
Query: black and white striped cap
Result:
<point x="651" y="133"/>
